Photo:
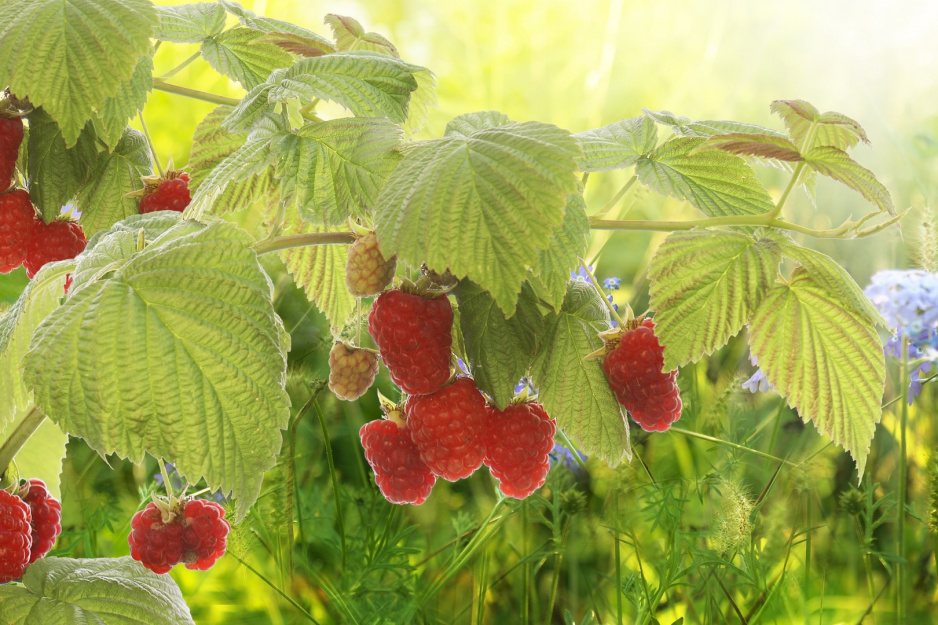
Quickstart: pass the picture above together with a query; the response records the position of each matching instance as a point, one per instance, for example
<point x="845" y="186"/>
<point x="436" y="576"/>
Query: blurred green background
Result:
<point x="705" y="531"/>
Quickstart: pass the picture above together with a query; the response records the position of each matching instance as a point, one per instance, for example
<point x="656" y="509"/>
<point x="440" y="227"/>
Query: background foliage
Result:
<point x="708" y="531"/>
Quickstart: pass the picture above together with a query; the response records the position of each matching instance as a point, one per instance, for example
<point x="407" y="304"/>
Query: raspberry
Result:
<point x="59" y="240"/>
<point x="17" y="217"/>
<point x="414" y="337"/>
<point x="11" y="136"/>
<point x="633" y="368"/>
<point x="518" y="442"/>
<point x="157" y="545"/>
<point x="193" y="531"/>
<point x="448" y="428"/>
<point x="206" y="535"/>
<point x="15" y="537"/>
<point x="367" y="272"/>
<point x="170" y="193"/>
<point x="400" y="474"/>
<point x="46" y="515"/>
<point x="352" y="370"/>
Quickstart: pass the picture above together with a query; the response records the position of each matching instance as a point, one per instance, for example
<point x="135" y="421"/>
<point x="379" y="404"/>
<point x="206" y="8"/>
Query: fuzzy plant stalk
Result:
<point x="902" y="571"/>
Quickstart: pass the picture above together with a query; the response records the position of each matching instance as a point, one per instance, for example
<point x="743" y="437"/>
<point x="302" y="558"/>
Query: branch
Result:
<point x="291" y="241"/>
<point x="161" y="85"/>
<point x="19" y="436"/>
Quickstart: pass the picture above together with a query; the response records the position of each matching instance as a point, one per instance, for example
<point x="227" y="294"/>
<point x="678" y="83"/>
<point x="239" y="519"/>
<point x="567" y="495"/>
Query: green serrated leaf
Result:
<point x="468" y="123"/>
<point x="190" y="23"/>
<point x="837" y="164"/>
<point x="482" y="205"/>
<point x="296" y="44"/>
<point x="717" y="183"/>
<point x="617" y="145"/>
<point x="112" y="117"/>
<point x="833" y="278"/>
<point x="56" y="173"/>
<point x="101" y="200"/>
<point x="270" y="25"/>
<point x="104" y="591"/>
<point x="46" y="53"/>
<point x="335" y="169"/>
<point x="152" y="224"/>
<point x="420" y="101"/>
<point x="575" y="391"/>
<point x="350" y="35"/>
<point x="320" y="270"/>
<point x="252" y="160"/>
<point x="499" y="350"/>
<point x="212" y="144"/>
<point x="40" y="297"/>
<point x="705" y="285"/>
<point x="367" y="84"/>
<point x="186" y="358"/>
<point x="684" y="127"/>
<point x="824" y="358"/>
<point x="807" y="124"/>
<point x="763" y="146"/>
<point x="253" y="107"/>
<point x="567" y="245"/>
<point x="238" y="54"/>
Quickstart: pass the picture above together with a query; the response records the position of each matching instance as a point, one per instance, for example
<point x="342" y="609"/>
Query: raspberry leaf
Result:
<point x="320" y="270"/>
<point x="715" y="182"/>
<point x="56" y="36"/>
<point x="335" y="169"/>
<point x="250" y="161"/>
<point x="824" y="357"/>
<point x="705" y="285"/>
<point x="421" y="100"/>
<point x="567" y="245"/>
<point x="109" y="591"/>
<point x="684" y="127"/>
<point x="271" y="25"/>
<point x="56" y="172"/>
<point x="483" y="205"/>
<point x="112" y="117"/>
<point x="763" y="146"/>
<point x="837" y="164"/>
<point x="574" y="391"/>
<point x="617" y="145"/>
<point x="350" y="35"/>
<point x="199" y="356"/>
<point x="366" y="83"/>
<point x="829" y="129"/>
<point x="101" y="200"/>
<point x="211" y="144"/>
<point x="190" y="23"/>
<point x="499" y="350"/>
<point x="237" y="54"/>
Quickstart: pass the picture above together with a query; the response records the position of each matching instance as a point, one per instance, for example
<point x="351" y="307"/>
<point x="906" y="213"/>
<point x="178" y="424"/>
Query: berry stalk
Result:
<point x="19" y="436"/>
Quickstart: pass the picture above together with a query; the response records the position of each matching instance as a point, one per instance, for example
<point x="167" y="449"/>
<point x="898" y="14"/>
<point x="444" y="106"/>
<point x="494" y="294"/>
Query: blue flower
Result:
<point x="758" y="382"/>
<point x="565" y="457"/>
<point x="581" y="274"/>
<point x="612" y="284"/>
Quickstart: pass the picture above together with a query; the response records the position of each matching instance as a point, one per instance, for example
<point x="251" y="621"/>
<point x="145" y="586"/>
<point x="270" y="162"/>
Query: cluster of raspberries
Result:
<point x="190" y="531"/>
<point x="30" y="521"/>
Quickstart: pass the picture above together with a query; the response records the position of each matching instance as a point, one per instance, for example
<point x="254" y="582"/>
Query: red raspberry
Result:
<point x="352" y="370"/>
<point x="448" y="428"/>
<point x="17" y="217"/>
<point x="206" y="535"/>
<point x="169" y="194"/>
<point x="46" y="513"/>
<point x="400" y="474"/>
<point x="157" y="545"/>
<point x="11" y="136"/>
<point x="633" y="369"/>
<point x="414" y="337"/>
<point x="518" y="442"/>
<point x="367" y="272"/>
<point x="59" y="240"/>
<point x="15" y="537"/>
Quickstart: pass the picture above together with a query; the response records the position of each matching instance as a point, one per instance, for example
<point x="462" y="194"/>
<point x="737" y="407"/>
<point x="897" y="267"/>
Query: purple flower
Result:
<point x="612" y="284"/>
<point x="758" y="382"/>
<point x="565" y="457"/>
<point x="581" y="274"/>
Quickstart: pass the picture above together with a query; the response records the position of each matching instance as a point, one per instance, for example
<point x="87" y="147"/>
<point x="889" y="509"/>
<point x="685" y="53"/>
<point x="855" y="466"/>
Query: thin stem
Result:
<point x="618" y="557"/>
<point x="733" y="445"/>
<point x="195" y="94"/>
<point x="618" y="196"/>
<point x="277" y="590"/>
<point x="291" y="241"/>
<point x="599" y="290"/>
<point x="573" y="450"/>
<point x="903" y="471"/>
<point x="146" y="134"/>
<point x="166" y="483"/>
<point x="335" y="479"/>
<point x="18" y="437"/>
<point x="181" y="66"/>
<point x="791" y="185"/>
<point x="525" y="567"/>
<point x="712" y="222"/>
